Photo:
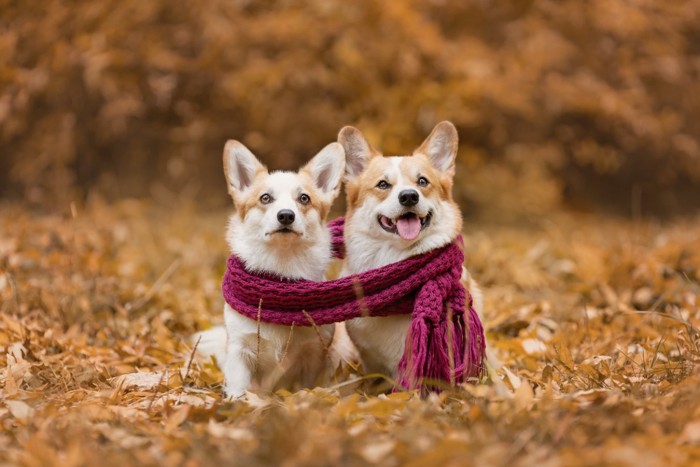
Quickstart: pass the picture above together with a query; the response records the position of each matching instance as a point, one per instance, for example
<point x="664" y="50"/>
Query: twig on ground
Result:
<point x="318" y="331"/>
<point x="360" y="294"/>
<point x="189" y="363"/>
<point x="134" y="306"/>
<point x="371" y="376"/>
<point x="286" y="346"/>
<point x="155" y="391"/>
<point x="15" y="290"/>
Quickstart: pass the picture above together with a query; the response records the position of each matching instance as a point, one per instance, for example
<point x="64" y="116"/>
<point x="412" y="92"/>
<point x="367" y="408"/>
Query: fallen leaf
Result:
<point x="533" y="346"/>
<point x="19" y="409"/>
<point x="690" y="433"/>
<point x="376" y="452"/>
<point x="177" y="418"/>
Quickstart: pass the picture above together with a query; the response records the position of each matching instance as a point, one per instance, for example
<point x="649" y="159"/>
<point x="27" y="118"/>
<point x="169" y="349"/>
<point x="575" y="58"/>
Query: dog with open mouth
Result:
<point x="398" y="207"/>
<point x="278" y="228"/>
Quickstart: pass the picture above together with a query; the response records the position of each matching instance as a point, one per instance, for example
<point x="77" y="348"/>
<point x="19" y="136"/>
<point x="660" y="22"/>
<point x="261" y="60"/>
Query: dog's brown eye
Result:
<point x="304" y="198"/>
<point x="266" y="199"/>
<point x="422" y="181"/>
<point x="383" y="185"/>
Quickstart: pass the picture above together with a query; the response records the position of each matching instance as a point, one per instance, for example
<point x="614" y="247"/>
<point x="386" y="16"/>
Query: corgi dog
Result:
<point x="278" y="227"/>
<point x="398" y="207"/>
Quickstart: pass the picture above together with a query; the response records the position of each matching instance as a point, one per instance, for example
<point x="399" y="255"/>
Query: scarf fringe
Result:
<point x="427" y="355"/>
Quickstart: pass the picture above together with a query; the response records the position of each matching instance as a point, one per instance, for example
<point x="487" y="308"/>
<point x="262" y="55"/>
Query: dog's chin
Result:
<point x="409" y="226"/>
<point x="284" y="234"/>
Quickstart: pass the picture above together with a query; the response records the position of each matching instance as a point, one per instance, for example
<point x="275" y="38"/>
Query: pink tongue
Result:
<point x="408" y="227"/>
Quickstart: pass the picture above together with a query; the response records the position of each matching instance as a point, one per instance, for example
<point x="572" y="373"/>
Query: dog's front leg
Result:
<point x="237" y="372"/>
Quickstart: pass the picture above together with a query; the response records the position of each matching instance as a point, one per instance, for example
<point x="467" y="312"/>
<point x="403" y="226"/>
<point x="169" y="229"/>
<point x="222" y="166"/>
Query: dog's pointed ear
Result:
<point x="441" y="147"/>
<point x="326" y="169"/>
<point x="240" y="166"/>
<point x="358" y="151"/>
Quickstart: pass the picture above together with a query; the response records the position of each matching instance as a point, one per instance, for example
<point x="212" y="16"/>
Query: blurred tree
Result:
<point x="596" y="104"/>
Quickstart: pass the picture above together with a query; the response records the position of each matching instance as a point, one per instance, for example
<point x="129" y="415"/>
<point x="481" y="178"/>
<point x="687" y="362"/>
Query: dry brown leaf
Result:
<point x="177" y="418"/>
<point x="20" y="410"/>
<point x="376" y="452"/>
<point x="690" y="433"/>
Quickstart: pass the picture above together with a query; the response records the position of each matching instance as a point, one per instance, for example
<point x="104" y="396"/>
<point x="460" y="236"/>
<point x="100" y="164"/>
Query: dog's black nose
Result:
<point x="408" y="197"/>
<point x="285" y="216"/>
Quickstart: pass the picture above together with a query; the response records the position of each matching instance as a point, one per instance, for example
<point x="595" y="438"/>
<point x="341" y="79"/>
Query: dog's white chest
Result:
<point x="380" y="341"/>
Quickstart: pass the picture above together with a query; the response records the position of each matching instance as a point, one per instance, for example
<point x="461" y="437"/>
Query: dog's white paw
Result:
<point x="235" y="393"/>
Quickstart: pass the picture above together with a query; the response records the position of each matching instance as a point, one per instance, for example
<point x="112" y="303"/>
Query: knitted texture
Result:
<point x="445" y="341"/>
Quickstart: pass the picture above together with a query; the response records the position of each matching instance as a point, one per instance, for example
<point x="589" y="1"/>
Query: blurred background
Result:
<point x="586" y="105"/>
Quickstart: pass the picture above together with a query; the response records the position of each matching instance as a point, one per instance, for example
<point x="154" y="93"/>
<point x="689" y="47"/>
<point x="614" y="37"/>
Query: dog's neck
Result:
<point x="292" y="258"/>
<point x="364" y="253"/>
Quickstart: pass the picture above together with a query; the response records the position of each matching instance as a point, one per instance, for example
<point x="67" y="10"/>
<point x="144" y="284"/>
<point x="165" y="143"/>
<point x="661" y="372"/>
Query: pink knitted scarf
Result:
<point x="445" y="340"/>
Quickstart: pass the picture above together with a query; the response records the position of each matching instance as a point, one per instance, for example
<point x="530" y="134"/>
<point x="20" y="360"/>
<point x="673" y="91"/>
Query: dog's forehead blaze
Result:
<point x="377" y="169"/>
<point x="413" y="166"/>
<point x="408" y="167"/>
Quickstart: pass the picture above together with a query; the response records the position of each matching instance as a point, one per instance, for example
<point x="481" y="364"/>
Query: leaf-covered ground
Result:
<point x="595" y="322"/>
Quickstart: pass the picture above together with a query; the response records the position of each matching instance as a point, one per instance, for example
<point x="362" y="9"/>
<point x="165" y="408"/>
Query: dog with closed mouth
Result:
<point x="398" y="207"/>
<point x="278" y="227"/>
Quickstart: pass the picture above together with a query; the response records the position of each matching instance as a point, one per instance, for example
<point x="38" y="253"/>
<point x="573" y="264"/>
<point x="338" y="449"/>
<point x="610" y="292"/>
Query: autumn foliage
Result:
<point x="595" y="323"/>
<point x="593" y="104"/>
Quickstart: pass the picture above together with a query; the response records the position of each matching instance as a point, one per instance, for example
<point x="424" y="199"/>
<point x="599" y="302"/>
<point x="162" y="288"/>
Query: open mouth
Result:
<point x="407" y="226"/>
